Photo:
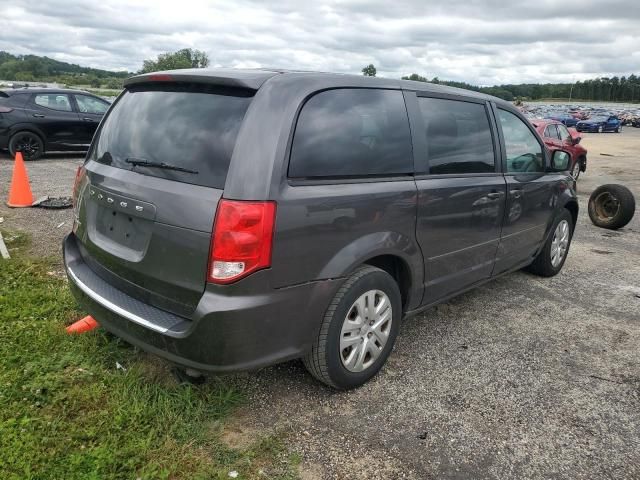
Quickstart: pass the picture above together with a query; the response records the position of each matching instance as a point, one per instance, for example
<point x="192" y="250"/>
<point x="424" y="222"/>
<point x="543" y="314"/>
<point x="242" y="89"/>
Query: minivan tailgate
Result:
<point x="147" y="195"/>
<point x="149" y="236"/>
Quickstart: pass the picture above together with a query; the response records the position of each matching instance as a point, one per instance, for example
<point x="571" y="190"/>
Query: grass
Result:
<point x="67" y="412"/>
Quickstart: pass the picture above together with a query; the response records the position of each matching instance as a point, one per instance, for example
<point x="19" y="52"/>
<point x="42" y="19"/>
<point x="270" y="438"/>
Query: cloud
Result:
<point x="483" y="42"/>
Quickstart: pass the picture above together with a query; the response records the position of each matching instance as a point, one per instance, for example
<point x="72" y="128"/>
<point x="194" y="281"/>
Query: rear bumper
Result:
<point x="242" y="326"/>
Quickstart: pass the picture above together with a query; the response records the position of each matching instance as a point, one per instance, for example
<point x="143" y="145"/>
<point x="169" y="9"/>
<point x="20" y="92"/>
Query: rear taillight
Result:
<point x="75" y="183"/>
<point x="241" y="239"/>
<point x="5" y="109"/>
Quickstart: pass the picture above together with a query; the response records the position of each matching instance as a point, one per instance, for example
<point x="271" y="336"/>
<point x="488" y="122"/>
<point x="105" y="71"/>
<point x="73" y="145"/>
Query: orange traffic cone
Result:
<point x="20" y="192"/>
<point x="85" y="324"/>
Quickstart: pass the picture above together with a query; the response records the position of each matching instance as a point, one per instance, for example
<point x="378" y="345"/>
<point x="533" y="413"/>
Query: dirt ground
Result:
<point x="521" y="378"/>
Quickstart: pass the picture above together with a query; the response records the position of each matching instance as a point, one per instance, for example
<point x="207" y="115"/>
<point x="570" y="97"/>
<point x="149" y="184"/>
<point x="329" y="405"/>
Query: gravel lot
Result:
<point x="522" y="378"/>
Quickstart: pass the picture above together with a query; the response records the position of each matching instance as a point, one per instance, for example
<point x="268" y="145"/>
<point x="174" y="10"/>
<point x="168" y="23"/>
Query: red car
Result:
<point x="558" y="137"/>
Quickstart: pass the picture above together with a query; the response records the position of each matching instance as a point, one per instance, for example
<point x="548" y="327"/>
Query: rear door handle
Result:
<point x="38" y="115"/>
<point x="87" y="119"/>
<point x="494" y="195"/>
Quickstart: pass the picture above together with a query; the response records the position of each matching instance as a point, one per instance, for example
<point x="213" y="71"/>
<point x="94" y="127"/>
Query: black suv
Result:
<point x="232" y="219"/>
<point x="34" y="120"/>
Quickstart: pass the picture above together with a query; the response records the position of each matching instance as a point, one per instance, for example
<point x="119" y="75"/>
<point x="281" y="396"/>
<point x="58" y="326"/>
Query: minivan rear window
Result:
<point x="190" y="127"/>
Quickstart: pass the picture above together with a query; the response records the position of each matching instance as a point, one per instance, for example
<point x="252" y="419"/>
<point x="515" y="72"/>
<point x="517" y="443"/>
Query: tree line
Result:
<point x="43" y="69"/>
<point x="603" y="89"/>
<point x="34" y="68"/>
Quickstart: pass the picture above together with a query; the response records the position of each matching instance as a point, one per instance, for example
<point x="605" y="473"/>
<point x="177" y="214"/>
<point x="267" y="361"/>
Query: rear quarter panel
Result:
<point x="326" y="231"/>
<point x="322" y="230"/>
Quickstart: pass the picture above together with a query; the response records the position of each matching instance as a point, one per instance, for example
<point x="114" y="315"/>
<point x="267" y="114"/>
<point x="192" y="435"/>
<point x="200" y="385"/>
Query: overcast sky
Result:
<point x="482" y="42"/>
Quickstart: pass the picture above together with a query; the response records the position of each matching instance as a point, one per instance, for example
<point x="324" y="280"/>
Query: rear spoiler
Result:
<point x="249" y="79"/>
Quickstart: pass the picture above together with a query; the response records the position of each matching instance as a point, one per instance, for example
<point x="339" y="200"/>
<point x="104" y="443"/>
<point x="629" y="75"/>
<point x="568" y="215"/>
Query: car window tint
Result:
<point x="524" y="153"/>
<point x="194" y="127"/>
<point x="88" y="104"/>
<point x="563" y="132"/>
<point x="54" y="101"/>
<point x="352" y="133"/>
<point x="551" y="132"/>
<point x="458" y="136"/>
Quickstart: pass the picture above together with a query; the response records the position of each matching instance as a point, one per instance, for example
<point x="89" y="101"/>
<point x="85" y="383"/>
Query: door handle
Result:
<point x="494" y="195"/>
<point x="516" y="192"/>
<point x="38" y="115"/>
<point x="87" y="119"/>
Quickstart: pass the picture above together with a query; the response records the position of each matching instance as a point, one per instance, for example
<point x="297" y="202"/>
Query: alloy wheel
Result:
<point x="560" y="243"/>
<point x="365" y="330"/>
<point x="28" y="144"/>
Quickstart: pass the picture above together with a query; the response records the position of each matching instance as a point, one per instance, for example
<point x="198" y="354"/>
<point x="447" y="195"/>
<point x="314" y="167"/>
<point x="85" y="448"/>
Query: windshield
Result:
<point x="190" y="127"/>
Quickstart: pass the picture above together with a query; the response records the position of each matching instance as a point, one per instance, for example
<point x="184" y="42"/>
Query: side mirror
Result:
<point x="560" y="161"/>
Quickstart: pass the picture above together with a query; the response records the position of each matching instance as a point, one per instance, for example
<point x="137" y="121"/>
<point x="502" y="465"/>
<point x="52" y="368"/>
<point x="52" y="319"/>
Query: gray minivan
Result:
<point x="232" y="219"/>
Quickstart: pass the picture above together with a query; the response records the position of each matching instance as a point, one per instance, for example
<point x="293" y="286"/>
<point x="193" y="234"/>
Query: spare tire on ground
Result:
<point x="611" y="206"/>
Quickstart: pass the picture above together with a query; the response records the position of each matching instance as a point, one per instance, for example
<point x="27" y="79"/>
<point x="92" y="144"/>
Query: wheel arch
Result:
<point x="572" y="206"/>
<point x="17" y="128"/>
<point x="582" y="158"/>
<point x="399" y="270"/>
<point x="395" y="253"/>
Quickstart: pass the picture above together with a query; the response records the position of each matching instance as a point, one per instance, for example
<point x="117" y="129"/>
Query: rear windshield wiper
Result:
<point x="145" y="163"/>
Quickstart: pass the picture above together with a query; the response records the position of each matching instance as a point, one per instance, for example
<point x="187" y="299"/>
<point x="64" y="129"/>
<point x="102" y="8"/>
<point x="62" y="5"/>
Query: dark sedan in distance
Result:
<point x="36" y="120"/>
<point x="599" y="124"/>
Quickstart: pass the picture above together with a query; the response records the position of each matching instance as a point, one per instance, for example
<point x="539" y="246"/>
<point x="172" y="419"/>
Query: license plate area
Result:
<point x="122" y="228"/>
<point x="120" y="225"/>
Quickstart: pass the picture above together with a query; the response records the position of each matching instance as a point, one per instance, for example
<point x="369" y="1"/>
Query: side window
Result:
<point x="88" y="104"/>
<point x="458" y="136"/>
<point x="352" y="133"/>
<point x="551" y="132"/>
<point x="54" y="101"/>
<point x="563" y="132"/>
<point x="524" y="153"/>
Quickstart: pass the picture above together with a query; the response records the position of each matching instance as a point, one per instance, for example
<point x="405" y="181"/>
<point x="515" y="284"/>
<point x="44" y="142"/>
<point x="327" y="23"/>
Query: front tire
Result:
<point x="29" y="143"/>
<point x="575" y="170"/>
<point x="358" y="330"/>
<point x="551" y="258"/>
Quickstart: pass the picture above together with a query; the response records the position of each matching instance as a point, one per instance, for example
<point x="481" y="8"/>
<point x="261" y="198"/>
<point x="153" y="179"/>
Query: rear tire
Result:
<point x="611" y="206"/>
<point x="29" y="143"/>
<point x="554" y="253"/>
<point x="358" y="330"/>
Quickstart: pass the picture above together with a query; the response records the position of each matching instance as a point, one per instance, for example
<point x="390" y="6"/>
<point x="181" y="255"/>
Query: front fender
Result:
<point x="564" y="197"/>
<point x="364" y="248"/>
<point x="568" y="199"/>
